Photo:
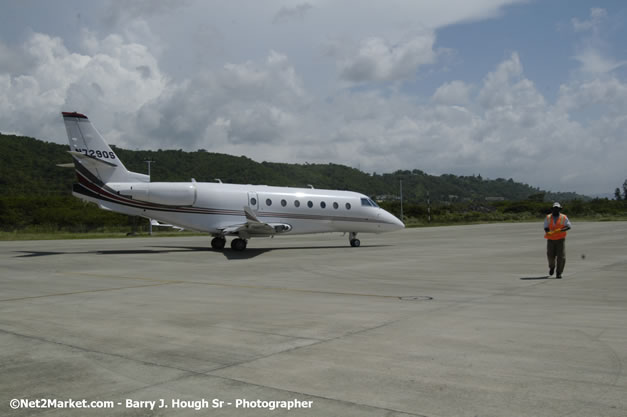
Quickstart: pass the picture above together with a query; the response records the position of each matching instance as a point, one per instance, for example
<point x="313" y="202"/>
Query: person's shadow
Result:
<point x="535" y="278"/>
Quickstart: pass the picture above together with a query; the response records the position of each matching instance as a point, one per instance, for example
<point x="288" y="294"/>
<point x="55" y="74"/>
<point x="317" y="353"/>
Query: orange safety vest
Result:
<point x="555" y="225"/>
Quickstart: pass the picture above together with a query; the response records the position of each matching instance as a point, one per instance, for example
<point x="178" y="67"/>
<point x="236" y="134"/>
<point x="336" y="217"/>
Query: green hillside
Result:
<point x="28" y="167"/>
<point x="35" y="194"/>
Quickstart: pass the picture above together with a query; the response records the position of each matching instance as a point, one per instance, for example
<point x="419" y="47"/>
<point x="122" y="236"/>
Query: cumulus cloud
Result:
<point x="251" y="104"/>
<point x="507" y="128"/>
<point x="609" y="94"/>
<point x="262" y="106"/>
<point x="12" y="61"/>
<point x="262" y="109"/>
<point x="378" y="60"/>
<point x="593" y="61"/>
<point x="592" y="50"/>
<point x="114" y="77"/>
<point x="452" y="93"/>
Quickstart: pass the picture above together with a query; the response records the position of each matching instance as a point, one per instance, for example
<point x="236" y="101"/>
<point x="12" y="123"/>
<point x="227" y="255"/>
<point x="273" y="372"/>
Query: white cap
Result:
<point x="556" y="204"/>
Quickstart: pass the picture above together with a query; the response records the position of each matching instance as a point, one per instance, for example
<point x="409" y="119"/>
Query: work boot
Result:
<point x="551" y="270"/>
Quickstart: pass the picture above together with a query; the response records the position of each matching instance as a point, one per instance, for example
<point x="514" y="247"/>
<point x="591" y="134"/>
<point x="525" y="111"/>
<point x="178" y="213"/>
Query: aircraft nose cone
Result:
<point x="398" y="223"/>
<point x="393" y="223"/>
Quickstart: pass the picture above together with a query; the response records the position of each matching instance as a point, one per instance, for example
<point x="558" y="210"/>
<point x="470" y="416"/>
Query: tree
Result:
<point x="617" y="195"/>
<point x="625" y="190"/>
<point x="538" y="197"/>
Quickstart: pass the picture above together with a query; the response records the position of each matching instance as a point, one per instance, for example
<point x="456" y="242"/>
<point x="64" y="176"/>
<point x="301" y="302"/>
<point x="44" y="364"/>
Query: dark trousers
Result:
<point x="556" y="249"/>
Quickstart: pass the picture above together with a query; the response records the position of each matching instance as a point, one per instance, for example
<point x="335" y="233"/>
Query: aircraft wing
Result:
<point x="255" y="227"/>
<point x="161" y="224"/>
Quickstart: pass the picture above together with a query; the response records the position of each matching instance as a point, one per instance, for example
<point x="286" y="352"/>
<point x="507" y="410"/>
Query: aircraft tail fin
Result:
<point x="92" y="155"/>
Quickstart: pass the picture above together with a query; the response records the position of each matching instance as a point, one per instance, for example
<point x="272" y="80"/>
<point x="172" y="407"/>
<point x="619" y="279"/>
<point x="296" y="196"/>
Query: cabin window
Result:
<point x="323" y="204"/>
<point x="310" y="204"/>
<point x="336" y="205"/>
<point x="283" y="203"/>
<point x="348" y="206"/>
<point x="296" y="203"/>
<point x="253" y="201"/>
<point x="268" y="202"/>
<point x="373" y="204"/>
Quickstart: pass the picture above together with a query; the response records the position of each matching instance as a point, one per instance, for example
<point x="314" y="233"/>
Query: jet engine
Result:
<point x="166" y="193"/>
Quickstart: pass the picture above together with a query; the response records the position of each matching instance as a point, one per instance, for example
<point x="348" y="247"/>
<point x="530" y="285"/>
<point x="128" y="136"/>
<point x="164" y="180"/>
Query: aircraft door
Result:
<point x="253" y="201"/>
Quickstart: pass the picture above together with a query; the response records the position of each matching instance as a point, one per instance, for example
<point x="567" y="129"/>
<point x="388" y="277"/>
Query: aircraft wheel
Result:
<point x="355" y="243"/>
<point x="218" y="243"/>
<point x="238" y="244"/>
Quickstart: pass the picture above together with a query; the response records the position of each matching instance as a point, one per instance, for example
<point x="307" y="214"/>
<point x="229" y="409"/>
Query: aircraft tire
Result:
<point x="355" y="243"/>
<point x="238" y="244"/>
<point x="218" y="243"/>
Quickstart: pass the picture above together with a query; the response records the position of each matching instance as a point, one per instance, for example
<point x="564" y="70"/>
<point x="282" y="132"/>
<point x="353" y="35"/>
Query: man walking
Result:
<point x="555" y="225"/>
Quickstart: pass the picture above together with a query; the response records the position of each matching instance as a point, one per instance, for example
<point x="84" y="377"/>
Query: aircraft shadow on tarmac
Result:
<point x="32" y="254"/>
<point x="228" y="253"/>
<point x="536" y="278"/>
<point x="254" y="252"/>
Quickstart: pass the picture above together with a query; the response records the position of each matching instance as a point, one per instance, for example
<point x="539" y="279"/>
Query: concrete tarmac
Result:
<point x="445" y="321"/>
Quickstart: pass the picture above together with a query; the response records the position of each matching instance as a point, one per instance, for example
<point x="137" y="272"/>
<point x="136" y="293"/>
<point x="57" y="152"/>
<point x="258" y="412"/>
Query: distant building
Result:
<point x="495" y="199"/>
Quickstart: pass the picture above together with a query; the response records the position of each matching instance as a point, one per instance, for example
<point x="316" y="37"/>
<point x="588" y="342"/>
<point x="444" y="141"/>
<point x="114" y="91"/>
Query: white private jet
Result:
<point x="243" y="211"/>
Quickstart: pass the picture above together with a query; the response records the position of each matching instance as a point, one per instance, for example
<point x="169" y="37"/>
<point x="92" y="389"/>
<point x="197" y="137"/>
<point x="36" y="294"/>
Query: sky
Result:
<point x="530" y="90"/>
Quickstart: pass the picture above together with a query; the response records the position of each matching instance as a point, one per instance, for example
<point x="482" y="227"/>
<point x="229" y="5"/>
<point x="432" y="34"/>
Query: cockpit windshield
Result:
<point x="368" y="203"/>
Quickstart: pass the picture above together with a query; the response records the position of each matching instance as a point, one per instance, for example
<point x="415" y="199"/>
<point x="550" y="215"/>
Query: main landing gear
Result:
<point x="352" y="238"/>
<point x="218" y="243"/>
<point x="238" y="244"/>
